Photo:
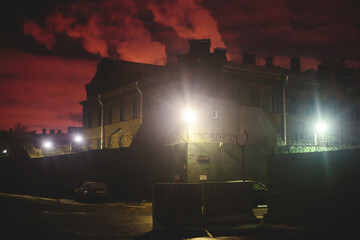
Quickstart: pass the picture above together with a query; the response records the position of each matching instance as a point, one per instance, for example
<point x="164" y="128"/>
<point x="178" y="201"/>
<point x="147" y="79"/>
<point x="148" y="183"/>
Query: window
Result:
<point x="110" y="142"/>
<point x="135" y="110"/>
<point x="331" y="105"/>
<point x="355" y="139"/>
<point x="89" y="120"/>
<point x="214" y="114"/>
<point x="309" y="105"/>
<point x="274" y="104"/>
<point x="147" y="104"/>
<point x="254" y="99"/>
<point x="98" y="143"/>
<point x="122" y="111"/>
<point x="354" y="111"/>
<point x="109" y="115"/>
<point x="291" y="105"/>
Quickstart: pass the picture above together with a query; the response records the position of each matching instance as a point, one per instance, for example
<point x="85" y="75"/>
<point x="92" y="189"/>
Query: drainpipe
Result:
<point x="284" y="106"/>
<point x="102" y="123"/>
<point x="141" y="101"/>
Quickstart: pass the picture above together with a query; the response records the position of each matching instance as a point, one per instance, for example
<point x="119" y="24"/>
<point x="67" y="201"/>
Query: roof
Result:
<point x="117" y="73"/>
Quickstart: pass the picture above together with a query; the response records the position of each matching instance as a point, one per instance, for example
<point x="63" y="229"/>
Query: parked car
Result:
<point x="92" y="191"/>
<point x="258" y="190"/>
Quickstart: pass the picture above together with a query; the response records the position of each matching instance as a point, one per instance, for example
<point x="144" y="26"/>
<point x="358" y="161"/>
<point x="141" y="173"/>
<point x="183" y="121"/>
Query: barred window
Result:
<point x="274" y="103"/>
<point x="122" y="111"/>
<point x="109" y="114"/>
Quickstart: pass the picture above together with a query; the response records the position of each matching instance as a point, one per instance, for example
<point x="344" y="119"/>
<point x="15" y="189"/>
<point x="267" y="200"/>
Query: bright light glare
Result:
<point x="5" y="151"/>
<point x="78" y="138"/>
<point x="321" y="127"/>
<point x="47" y="145"/>
<point x="189" y="116"/>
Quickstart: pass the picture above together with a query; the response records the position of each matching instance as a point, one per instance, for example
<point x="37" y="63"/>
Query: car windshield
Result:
<point x="258" y="187"/>
<point x="96" y="185"/>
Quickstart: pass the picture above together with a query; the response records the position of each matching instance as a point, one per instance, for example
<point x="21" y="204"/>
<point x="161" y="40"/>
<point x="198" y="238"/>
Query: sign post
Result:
<point x="242" y="144"/>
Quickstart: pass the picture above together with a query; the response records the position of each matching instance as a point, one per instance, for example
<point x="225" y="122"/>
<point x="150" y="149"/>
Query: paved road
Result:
<point x="26" y="217"/>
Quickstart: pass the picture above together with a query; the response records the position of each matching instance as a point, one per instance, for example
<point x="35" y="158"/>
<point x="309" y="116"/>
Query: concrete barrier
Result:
<point x="314" y="188"/>
<point x="182" y="205"/>
<point x="176" y="205"/>
<point x="231" y="201"/>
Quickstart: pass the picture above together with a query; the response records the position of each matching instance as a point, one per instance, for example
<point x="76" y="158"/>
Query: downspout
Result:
<point x="102" y="123"/>
<point x="141" y="101"/>
<point x="284" y="107"/>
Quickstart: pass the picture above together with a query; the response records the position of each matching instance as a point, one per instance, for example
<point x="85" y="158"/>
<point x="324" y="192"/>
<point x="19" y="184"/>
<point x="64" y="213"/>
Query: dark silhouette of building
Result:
<point x="140" y="103"/>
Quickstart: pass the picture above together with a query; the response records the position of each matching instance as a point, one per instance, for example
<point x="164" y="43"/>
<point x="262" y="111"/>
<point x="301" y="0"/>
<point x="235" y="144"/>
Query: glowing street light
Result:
<point x="48" y="145"/>
<point x="4" y="151"/>
<point x="320" y="128"/>
<point x="78" y="139"/>
<point x="189" y="116"/>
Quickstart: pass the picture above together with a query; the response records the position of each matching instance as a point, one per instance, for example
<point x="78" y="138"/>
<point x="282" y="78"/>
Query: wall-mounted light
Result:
<point x="48" y="145"/>
<point x="78" y="139"/>
<point x="321" y="127"/>
<point x="189" y="116"/>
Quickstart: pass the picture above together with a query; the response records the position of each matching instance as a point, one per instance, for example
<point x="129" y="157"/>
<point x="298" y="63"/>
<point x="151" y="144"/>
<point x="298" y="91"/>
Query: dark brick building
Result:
<point x="140" y="103"/>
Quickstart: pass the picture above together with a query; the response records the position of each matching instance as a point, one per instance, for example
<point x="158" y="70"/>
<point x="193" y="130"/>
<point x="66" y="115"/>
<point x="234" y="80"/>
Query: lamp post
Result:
<point x="189" y="117"/>
<point x="284" y="107"/>
<point x="102" y="123"/>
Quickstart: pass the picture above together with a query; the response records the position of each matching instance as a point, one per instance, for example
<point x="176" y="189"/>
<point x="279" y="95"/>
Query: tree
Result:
<point x="19" y="127"/>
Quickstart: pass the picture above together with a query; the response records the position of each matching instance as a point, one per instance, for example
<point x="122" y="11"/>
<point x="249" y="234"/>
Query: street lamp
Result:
<point x="78" y="139"/>
<point x="48" y="145"/>
<point x="189" y="116"/>
<point x="320" y="128"/>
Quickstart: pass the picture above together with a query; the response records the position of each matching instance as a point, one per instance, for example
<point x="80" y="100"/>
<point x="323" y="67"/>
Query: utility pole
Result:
<point x="141" y="101"/>
<point x="102" y="124"/>
<point x="284" y="107"/>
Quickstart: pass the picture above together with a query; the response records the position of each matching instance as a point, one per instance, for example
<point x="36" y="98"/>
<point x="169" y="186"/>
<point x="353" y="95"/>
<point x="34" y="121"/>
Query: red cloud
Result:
<point x="188" y="19"/>
<point x="39" y="34"/>
<point x="102" y="28"/>
<point x="34" y="90"/>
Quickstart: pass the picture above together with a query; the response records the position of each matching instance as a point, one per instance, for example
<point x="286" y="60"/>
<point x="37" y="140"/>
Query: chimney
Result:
<point x="52" y="131"/>
<point x="295" y="65"/>
<point x="249" y="58"/>
<point x="220" y="54"/>
<point x="44" y="131"/>
<point x="269" y="61"/>
<point x="199" y="46"/>
<point x="59" y="132"/>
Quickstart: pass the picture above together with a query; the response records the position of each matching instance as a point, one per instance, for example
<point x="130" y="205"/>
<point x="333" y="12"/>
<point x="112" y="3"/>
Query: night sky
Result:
<point x="50" y="49"/>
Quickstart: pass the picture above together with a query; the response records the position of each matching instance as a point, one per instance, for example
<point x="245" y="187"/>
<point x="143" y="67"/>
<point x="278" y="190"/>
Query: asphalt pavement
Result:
<point x="23" y="216"/>
<point x="28" y="217"/>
